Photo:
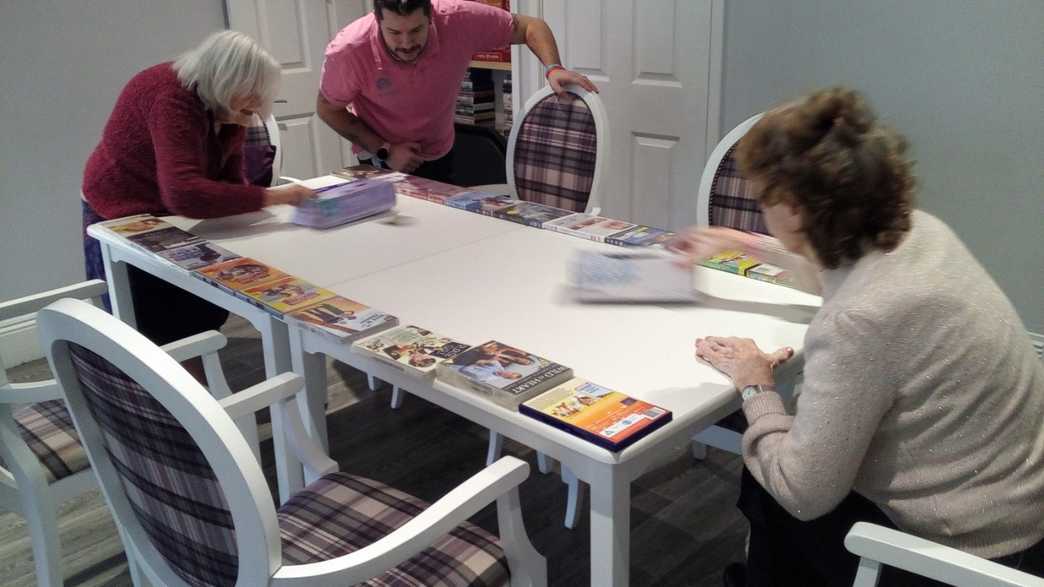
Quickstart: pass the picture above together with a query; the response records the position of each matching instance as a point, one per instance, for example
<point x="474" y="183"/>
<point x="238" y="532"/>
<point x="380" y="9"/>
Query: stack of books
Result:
<point x="345" y="202"/>
<point x="508" y="120"/>
<point x="475" y="101"/>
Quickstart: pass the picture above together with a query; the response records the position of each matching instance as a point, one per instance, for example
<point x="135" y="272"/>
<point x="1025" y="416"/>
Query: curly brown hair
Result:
<point x="848" y="175"/>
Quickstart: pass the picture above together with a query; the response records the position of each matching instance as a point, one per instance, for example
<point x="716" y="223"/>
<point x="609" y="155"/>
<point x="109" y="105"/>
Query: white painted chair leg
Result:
<point x="397" y="396"/>
<point x="699" y="450"/>
<point x="545" y="463"/>
<point x="42" y="523"/>
<point x="496" y="446"/>
<point x="572" y="499"/>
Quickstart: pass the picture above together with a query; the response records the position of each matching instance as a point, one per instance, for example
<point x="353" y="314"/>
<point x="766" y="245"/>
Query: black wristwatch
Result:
<point x="383" y="153"/>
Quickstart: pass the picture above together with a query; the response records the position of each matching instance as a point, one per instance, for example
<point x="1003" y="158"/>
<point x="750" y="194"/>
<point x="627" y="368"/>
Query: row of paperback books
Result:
<point x="505" y="375"/>
<point x="588" y="226"/>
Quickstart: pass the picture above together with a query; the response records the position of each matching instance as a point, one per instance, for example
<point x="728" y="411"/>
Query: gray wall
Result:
<point x="62" y="64"/>
<point x="963" y="79"/>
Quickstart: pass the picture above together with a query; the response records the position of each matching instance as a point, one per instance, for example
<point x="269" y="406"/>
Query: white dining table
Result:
<point x="475" y="278"/>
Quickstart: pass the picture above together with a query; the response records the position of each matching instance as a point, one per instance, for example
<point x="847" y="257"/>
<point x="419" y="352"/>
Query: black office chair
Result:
<point x="479" y="156"/>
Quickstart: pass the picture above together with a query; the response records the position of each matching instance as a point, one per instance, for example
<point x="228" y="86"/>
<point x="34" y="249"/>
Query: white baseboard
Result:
<point x="19" y="343"/>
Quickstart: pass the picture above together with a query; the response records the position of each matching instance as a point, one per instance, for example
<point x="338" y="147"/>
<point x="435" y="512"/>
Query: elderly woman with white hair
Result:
<point x="174" y="145"/>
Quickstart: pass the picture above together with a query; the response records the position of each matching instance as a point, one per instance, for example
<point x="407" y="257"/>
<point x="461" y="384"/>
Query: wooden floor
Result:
<point x="684" y="524"/>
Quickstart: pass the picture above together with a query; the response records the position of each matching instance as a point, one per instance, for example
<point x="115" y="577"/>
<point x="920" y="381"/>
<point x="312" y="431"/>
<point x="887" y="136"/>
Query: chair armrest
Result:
<point x="36" y="302"/>
<point x="264" y="394"/>
<point x="483" y="488"/>
<point x="932" y="560"/>
<point x="30" y="393"/>
<point x="196" y="345"/>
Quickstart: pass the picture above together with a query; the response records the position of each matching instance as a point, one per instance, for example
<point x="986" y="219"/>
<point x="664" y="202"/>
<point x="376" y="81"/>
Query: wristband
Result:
<point x="551" y="67"/>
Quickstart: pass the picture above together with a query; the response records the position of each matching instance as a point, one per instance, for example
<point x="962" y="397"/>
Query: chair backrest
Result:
<point x="725" y="197"/>
<point x="262" y="156"/>
<point x="178" y="475"/>
<point x="557" y="153"/>
<point x="479" y="155"/>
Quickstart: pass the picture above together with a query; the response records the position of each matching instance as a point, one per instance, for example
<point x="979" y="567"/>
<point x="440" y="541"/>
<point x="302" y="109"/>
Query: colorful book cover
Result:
<point x="197" y="256"/>
<point x="369" y="172"/>
<point x="732" y="262"/>
<point x="343" y="319"/>
<point x="427" y="189"/>
<point x="164" y="239"/>
<point x="608" y="418"/>
<point x="594" y="228"/>
<point x="286" y="295"/>
<point x="493" y="205"/>
<point x="239" y="274"/>
<point x="770" y="274"/>
<point x="505" y="374"/>
<point x="531" y="213"/>
<point x="411" y="348"/>
<point x="132" y="225"/>
<point x="640" y="236"/>
<point x="470" y="201"/>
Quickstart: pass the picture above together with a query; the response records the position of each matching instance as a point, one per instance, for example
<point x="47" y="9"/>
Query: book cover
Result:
<point x="608" y="418"/>
<point x="137" y="224"/>
<point x="164" y="239"/>
<point x="411" y="348"/>
<point x="638" y="275"/>
<point x="286" y="295"/>
<point x="504" y="374"/>
<point x="239" y="274"/>
<point x="197" y="256"/>
<point x="470" y="201"/>
<point x="531" y="213"/>
<point x="427" y="189"/>
<point x="640" y="236"/>
<point x="770" y="274"/>
<point x="342" y="319"/>
<point x="369" y="172"/>
<point x="732" y="262"/>
<point x="492" y="205"/>
<point x="594" y="228"/>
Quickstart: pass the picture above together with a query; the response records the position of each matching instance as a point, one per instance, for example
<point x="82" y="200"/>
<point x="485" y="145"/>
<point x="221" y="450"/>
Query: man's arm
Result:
<point x="403" y="156"/>
<point x="536" y="35"/>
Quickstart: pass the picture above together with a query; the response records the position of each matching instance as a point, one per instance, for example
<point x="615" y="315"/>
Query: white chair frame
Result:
<point x="877" y="546"/>
<point x="211" y="423"/>
<point x="24" y="488"/>
<point x="707" y="179"/>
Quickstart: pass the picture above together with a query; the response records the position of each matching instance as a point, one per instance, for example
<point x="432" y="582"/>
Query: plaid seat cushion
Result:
<point x="341" y="513"/>
<point x="733" y="201"/>
<point x="555" y="153"/>
<point x="48" y="430"/>
<point x="169" y="483"/>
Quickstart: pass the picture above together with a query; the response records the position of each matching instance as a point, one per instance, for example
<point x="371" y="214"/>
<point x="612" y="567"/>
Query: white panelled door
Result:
<point x="296" y="33"/>
<point x="653" y="62"/>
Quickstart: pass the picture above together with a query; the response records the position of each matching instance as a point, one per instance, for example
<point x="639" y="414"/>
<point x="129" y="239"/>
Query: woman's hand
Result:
<point x="292" y="194"/>
<point x="741" y="359"/>
<point x="702" y="242"/>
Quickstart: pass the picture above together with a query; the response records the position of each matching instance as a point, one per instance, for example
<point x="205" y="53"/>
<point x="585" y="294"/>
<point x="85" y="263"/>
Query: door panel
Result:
<point x="296" y="33"/>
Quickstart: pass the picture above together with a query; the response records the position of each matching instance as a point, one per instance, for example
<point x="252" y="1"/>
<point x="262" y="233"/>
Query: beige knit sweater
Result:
<point x="922" y="393"/>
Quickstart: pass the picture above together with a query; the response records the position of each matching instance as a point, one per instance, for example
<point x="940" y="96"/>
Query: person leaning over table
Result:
<point x="922" y="406"/>
<point x="399" y="71"/>
<point x="174" y="145"/>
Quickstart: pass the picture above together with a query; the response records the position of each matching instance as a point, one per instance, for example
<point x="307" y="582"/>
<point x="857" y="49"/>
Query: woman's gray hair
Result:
<point x="228" y="64"/>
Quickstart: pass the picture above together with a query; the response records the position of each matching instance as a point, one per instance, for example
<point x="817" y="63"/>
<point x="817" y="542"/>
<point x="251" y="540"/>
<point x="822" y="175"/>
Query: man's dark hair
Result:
<point x="401" y="7"/>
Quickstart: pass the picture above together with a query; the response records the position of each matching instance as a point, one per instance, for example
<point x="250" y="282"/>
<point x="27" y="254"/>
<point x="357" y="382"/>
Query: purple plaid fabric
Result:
<point x="165" y="477"/>
<point x="733" y="202"/>
<point x="555" y="153"/>
<point x="258" y="155"/>
<point x="48" y="430"/>
<point x="341" y="513"/>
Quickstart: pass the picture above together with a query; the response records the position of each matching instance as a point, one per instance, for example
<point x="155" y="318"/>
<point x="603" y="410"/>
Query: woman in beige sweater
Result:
<point x="922" y="406"/>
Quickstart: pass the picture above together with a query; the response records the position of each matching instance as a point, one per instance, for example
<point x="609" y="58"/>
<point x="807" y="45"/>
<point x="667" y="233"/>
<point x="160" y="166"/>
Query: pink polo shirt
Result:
<point x="411" y="102"/>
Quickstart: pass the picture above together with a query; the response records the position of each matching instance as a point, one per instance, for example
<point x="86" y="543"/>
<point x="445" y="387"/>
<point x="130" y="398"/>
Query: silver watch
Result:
<point x="752" y="390"/>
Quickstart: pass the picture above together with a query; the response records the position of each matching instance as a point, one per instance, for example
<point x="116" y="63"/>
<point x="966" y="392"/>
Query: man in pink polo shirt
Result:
<point x="399" y="70"/>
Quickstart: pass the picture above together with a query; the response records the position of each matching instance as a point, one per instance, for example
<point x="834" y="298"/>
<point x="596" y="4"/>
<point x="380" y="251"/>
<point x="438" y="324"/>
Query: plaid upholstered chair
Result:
<point x="725" y="197"/>
<point x="558" y="148"/>
<point x="41" y="461"/>
<point x="194" y="507"/>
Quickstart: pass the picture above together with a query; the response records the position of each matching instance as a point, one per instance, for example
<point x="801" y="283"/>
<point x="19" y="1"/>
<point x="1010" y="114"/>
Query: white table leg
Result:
<point x="119" y="288"/>
<point x="276" y="344"/>
<point x="610" y="529"/>
<point x="397" y="395"/>
<point x="312" y="366"/>
<point x="496" y="446"/>
<point x="545" y="463"/>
